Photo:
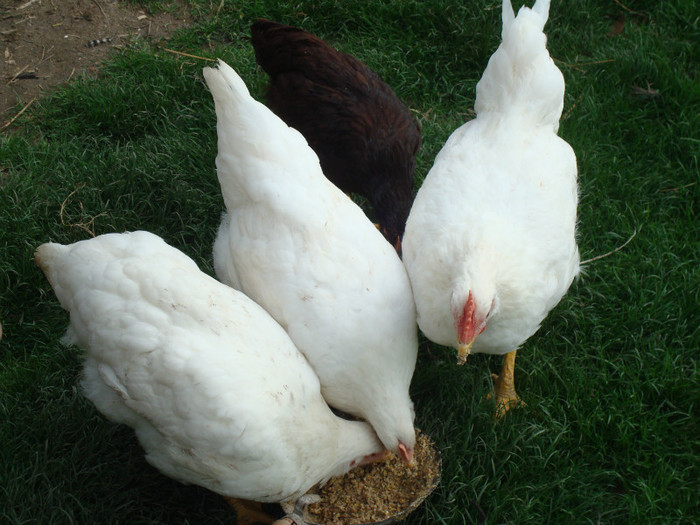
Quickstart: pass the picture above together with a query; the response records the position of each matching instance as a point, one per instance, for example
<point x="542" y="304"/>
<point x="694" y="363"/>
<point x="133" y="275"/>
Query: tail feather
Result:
<point x="257" y="152"/>
<point x="243" y="121"/>
<point x="297" y="60"/>
<point x="46" y="255"/>
<point x="280" y="48"/>
<point x="224" y="82"/>
<point x="508" y="13"/>
<point x="520" y="75"/>
<point x="541" y="7"/>
<point x="51" y="259"/>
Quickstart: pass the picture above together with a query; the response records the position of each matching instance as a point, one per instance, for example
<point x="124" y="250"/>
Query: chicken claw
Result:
<point x="504" y="387"/>
<point x="297" y="515"/>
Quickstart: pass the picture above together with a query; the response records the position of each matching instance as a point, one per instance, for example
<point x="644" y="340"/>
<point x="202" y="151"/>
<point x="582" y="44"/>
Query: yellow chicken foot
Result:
<point x="504" y="387"/>
<point x="249" y="512"/>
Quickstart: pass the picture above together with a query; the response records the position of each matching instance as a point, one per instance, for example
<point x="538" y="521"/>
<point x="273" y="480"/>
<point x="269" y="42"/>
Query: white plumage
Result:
<point x="305" y="252"/>
<point x="490" y="241"/>
<point x="214" y="388"/>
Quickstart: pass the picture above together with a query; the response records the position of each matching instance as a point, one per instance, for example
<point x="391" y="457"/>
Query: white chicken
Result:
<point x="300" y="248"/>
<point x="490" y="242"/>
<point x="216" y="391"/>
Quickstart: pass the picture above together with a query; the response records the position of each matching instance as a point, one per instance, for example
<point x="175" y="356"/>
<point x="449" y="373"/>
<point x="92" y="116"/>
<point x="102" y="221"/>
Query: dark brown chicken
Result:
<point x="364" y="136"/>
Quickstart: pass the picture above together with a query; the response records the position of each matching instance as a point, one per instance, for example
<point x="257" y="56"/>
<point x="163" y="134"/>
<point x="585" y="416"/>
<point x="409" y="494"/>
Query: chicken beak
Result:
<point x="406" y="454"/>
<point x="463" y="351"/>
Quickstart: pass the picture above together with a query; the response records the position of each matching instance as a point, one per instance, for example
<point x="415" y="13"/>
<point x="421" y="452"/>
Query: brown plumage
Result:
<point x="364" y="136"/>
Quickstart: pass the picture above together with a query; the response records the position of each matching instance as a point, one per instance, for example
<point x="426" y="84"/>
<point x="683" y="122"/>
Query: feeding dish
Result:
<point x="380" y="493"/>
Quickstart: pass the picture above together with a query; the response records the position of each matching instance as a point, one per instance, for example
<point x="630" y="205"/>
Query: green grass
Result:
<point x="610" y="432"/>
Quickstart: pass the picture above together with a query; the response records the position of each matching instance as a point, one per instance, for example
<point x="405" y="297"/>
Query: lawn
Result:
<point x="610" y="432"/>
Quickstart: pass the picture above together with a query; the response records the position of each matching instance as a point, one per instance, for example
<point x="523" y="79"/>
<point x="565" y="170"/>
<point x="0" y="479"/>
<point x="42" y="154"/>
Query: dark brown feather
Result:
<point x="364" y="136"/>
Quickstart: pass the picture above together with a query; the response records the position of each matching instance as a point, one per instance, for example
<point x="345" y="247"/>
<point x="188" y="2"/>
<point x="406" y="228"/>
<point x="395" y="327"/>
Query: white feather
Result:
<point x="304" y="251"/>
<point x="497" y="212"/>
<point x="214" y="388"/>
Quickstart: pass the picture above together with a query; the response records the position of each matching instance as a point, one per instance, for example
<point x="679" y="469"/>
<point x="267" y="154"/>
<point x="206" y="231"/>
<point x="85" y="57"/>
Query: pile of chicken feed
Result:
<point x="378" y="491"/>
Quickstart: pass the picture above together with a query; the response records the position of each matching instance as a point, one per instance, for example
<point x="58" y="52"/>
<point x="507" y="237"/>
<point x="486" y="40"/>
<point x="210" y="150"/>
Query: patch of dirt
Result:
<point x="44" y="43"/>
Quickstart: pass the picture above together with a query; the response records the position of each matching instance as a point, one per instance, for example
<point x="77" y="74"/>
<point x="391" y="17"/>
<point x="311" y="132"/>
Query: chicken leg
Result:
<point x="504" y="387"/>
<point x="249" y="512"/>
<point x="296" y="517"/>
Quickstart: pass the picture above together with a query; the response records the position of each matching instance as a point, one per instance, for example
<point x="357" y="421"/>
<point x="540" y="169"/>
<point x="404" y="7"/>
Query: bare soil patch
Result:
<point x="45" y="43"/>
